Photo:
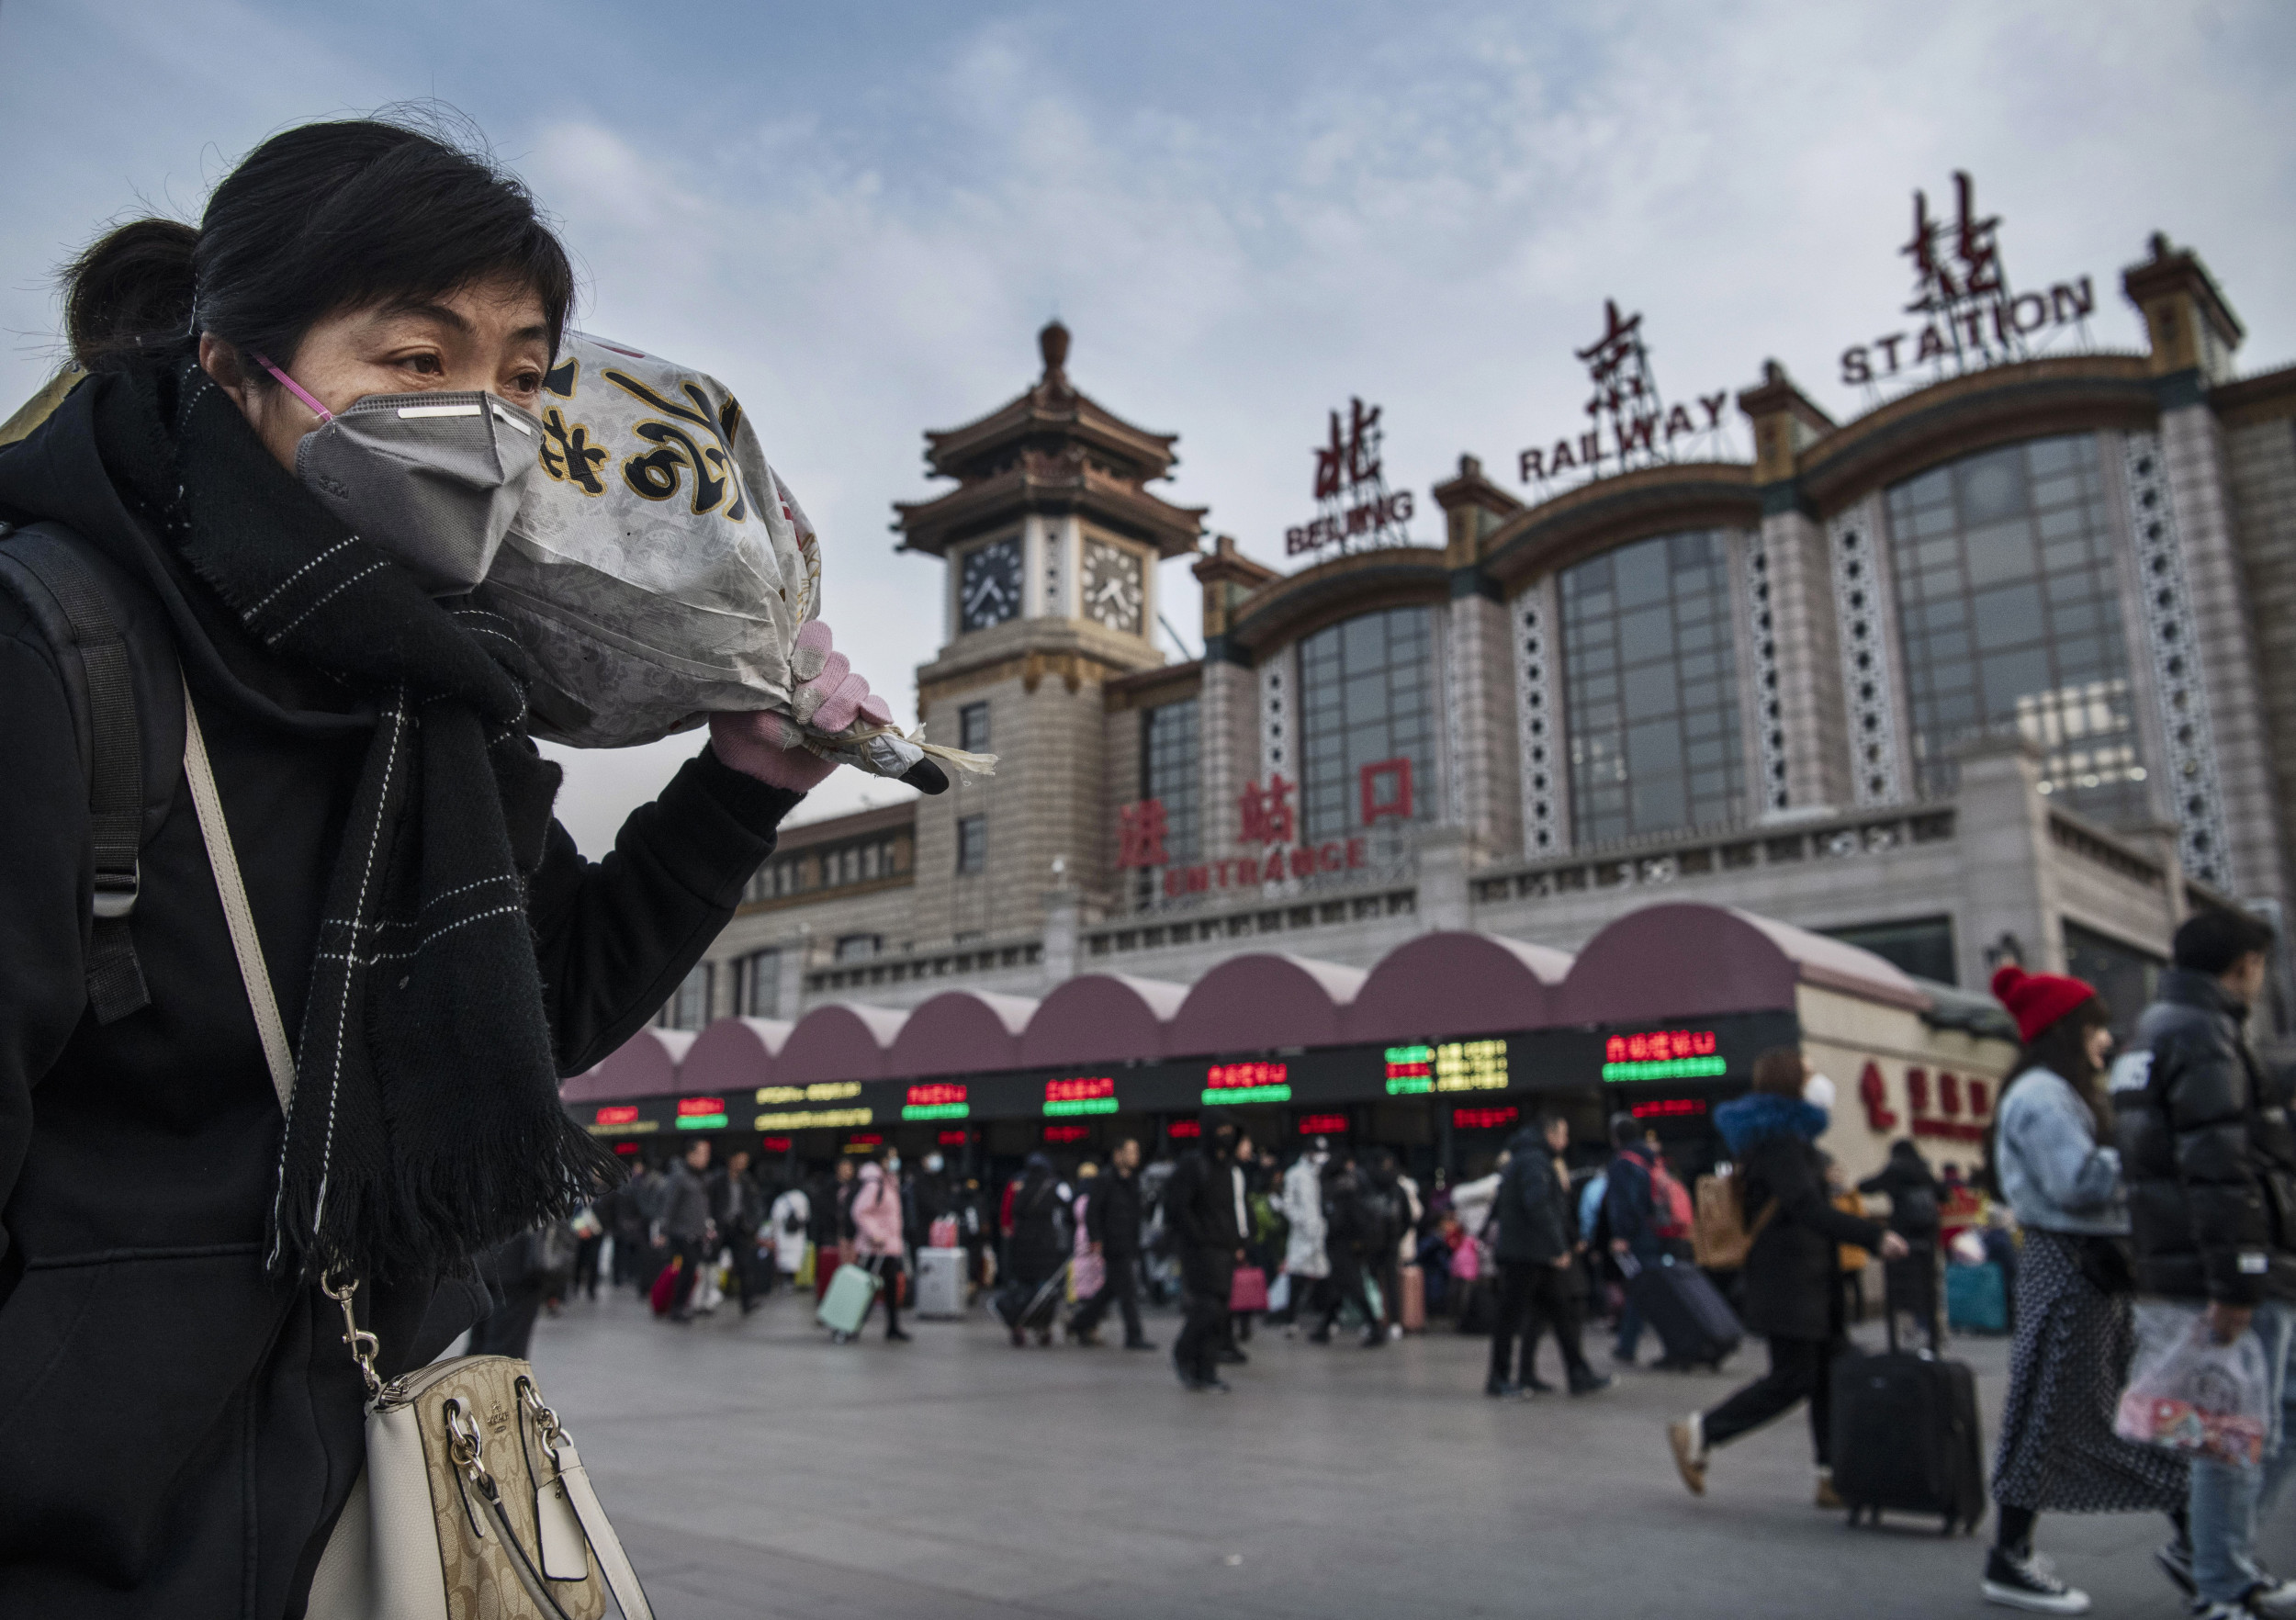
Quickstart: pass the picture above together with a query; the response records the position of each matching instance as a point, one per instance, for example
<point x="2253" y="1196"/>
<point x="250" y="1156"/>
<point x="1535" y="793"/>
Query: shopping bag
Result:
<point x="665" y="1290"/>
<point x="803" y="1279"/>
<point x="943" y="1234"/>
<point x="1279" y="1293"/>
<point x="1248" y="1291"/>
<point x="2188" y="1393"/>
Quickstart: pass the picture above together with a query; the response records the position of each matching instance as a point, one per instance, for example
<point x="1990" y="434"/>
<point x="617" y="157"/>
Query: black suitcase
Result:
<point x="1694" y="1323"/>
<point x="1905" y="1436"/>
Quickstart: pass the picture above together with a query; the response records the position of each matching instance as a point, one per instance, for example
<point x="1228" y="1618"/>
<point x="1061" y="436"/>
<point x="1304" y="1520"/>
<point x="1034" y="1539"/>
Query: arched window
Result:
<point x="1365" y="690"/>
<point x="2008" y="612"/>
<point x="1651" y="689"/>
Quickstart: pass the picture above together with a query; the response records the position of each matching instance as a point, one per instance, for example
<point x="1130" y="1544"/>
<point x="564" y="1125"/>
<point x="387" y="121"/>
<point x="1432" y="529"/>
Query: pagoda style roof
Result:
<point x="1052" y="449"/>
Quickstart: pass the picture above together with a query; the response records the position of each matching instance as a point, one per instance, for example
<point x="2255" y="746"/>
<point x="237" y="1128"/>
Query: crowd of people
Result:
<point x="2177" y="1181"/>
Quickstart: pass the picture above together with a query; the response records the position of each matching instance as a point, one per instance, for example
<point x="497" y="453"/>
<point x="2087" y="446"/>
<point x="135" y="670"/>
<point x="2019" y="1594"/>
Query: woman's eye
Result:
<point x="428" y="365"/>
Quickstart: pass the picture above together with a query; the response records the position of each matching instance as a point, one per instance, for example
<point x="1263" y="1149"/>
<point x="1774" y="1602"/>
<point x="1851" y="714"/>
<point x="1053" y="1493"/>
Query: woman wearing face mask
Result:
<point x="296" y="423"/>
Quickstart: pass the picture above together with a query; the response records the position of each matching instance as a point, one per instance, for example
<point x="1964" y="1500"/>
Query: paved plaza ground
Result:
<point x="755" y="1469"/>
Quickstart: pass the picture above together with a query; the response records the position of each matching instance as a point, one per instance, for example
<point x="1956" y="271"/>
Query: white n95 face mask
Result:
<point x="431" y="479"/>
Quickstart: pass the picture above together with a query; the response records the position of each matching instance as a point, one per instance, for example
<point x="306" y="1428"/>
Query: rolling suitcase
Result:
<point x="1905" y="1436"/>
<point x="851" y="1292"/>
<point x="1694" y="1323"/>
<point x="940" y="1282"/>
<point x="1412" y="1311"/>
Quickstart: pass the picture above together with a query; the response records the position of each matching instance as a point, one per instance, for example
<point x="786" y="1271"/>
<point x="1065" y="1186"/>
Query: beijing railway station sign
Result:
<point x="1970" y="318"/>
<point x="1633" y="426"/>
<point x="1268" y="819"/>
<point x="1354" y="510"/>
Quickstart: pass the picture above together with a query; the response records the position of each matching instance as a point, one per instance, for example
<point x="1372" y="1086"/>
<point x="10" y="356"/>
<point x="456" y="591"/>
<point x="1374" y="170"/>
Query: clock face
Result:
<point x="1113" y="594"/>
<point x="988" y="585"/>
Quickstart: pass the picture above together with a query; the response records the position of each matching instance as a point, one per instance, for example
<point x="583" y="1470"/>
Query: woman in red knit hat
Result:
<point x="2058" y="1452"/>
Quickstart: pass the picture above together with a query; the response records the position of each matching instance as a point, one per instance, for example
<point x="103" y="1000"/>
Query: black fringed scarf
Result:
<point x="426" y="1122"/>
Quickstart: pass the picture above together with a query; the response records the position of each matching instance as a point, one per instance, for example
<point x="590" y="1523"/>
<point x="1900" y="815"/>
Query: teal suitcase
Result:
<point x="1976" y="1298"/>
<point x="851" y="1291"/>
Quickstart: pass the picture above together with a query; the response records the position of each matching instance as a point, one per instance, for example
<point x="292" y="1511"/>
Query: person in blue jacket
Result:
<point x="1628" y="1201"/>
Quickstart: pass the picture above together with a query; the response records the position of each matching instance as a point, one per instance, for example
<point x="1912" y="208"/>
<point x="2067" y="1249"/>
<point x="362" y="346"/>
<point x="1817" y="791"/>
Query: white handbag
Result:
<point x="473" y="1502"/>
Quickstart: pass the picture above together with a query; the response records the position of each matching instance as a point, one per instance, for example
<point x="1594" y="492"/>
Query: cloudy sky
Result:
<point x="858" y="214"/>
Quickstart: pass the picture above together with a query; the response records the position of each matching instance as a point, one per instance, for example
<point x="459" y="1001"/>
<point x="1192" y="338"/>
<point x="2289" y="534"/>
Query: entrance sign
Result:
<point x="1354" y="508"/>
<point x="1096" y="1096"/>
<point x="1247" y="1083"/>
<point x="1970" y="316"/>
<point x="942" y="1100"/>
<point x="701" y="1113"/>
<point x="1666" y="1054"/>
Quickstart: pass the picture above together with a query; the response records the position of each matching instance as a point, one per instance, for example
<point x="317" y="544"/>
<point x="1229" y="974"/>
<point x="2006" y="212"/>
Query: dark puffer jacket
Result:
<point x="1537" y="1225"/>
<point x="1789" y="1271"/>
<point x="2206" y="1151"/>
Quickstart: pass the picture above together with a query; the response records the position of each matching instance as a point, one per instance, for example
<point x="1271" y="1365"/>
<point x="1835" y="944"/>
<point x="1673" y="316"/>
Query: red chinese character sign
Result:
<point x="1355" y="511"/>
<point x="1140" y="834"/>
<point x="1265" y="813"/>
<point x="1385" y="789"/>
<point x="1971" y="315"/>
<point x="1632" y="426"/>
<point x="1944" y="1106"/>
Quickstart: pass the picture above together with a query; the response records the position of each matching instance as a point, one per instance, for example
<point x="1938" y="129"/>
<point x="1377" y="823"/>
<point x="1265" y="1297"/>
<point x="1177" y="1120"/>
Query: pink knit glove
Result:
<point x="830" y="697"/>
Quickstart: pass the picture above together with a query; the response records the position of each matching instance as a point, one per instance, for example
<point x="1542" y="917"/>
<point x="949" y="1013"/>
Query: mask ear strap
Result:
<point x="296" y="389"/>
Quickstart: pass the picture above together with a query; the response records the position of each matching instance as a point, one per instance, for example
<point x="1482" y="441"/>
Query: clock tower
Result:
<point x="1052" y="539"/>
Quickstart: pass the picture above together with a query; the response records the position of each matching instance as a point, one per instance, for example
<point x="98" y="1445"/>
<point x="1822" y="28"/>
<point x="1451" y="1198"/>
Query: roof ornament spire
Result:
<point x="1052" y="343"/>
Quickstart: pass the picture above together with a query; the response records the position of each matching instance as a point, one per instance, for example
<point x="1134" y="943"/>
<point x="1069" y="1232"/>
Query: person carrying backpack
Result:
<point x="1631" y="1207"/>
<point x="194" y="1139"/>
<point x="1772" y="1133"/>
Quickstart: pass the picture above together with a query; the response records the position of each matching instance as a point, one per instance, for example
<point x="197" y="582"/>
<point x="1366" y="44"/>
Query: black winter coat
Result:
<point x="2206" y="1151"/>
<point x="176" y="1431"/>
<point x="1112" y="1215"/>
<point x="1538" y="1224"/>
<point x="1789" y="1275"/>
<point x="1199" y="1215"/>
<point x="1040" y="1236"/>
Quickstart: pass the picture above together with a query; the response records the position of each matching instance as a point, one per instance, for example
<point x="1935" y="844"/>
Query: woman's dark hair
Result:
<point x="1779" y="1071"/>
<point x="2063" y="1049"/>
<point x="316" y="219"/>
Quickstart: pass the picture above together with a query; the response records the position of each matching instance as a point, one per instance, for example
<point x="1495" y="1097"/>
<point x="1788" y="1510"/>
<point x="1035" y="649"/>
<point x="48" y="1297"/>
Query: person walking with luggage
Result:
<point x="1037" y="1250"/>
<point x="1789" y="1275"/>
<point x="2058" y="1452"/>
<point x="686" y="1223"/>
<point x="877" y="1245"/>
<point x="1349" y="1231"/>
<point x="1112" y="1219"/>
<point x="738" y="1212"/>
<point x="2210" y="1158"/>
<point x="1537" y="1253"/>
<point x="1206" y="1218"/>
<point x="1913" y="1193"/>
<point x="1631" y="1204"/>
<point x="1305" y="1261"/>
<point x="787" y="1222"/>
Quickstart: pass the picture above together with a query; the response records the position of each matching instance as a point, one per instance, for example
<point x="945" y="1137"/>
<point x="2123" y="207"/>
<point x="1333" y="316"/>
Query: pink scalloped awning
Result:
<point x="1687" y="960"/>
<point x="845" y="1041"/>
<point x="1456" y="982"/>
<point x="734" y="1054"/>
<point x="1262" y="1001"/>
<point x="1101" y="1018"/>
<point x="961" y="1032"/>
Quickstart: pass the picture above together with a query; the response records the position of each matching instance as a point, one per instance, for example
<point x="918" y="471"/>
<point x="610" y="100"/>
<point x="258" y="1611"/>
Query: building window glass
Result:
<point x="1365" y="697"/>
<point x="1168" y="774"/>
<point x="858" y="947"/>
<point x="1922" y="946"/>
<point x="1651" y="689"/>
<point x="689" y="1005"/>
<point x="972" y="843"/>
<point x="2126" y="977"/>
<point x="762" y="989"/>
<point x="2009" y="613"/>
<point x="973" y="728"/>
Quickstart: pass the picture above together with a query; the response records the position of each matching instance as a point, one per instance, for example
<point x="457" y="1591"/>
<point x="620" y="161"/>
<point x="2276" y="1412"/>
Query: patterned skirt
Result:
<point x="2058" y="1452"/>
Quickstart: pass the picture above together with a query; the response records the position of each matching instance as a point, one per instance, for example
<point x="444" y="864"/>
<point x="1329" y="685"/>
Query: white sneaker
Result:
<point x="2029" y="1582"/>
<point x="2273" y="1598"/>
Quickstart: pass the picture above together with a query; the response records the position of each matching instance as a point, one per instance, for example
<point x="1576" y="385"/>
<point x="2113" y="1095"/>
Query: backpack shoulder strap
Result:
<point x="117" y="658"/>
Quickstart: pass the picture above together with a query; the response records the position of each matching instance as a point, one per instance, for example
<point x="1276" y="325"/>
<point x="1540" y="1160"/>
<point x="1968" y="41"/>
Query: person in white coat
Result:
<point x="786" y="1224"/>
<point x="1305" y="1259"/>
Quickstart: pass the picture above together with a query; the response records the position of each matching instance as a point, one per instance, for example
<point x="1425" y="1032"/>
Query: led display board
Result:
<point x="1664" y="1054"/>
<point x="941" y="1100"/>
<point x="1093" y="1095"/>
<point x="1410" y="1070"/>
<point x="1059" y="1135"/>
<point x="773" y="1144"/>
<point x="821" y="1091"/>
<point x="1239" y="1083"/>
<point x="814" y="1119"/>
<point x="1484" y="1118"/>
<point x="1185" y="1129"/>
<point x="1323" y="1124"/>
<point x="701" y="1113"/>
<point x="1470" y="1065"/>
<point x="1669" y="1108"/>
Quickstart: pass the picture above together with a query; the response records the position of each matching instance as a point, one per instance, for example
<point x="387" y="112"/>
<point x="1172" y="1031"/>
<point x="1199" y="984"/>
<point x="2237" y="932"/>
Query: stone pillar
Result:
<point x="1443" y="890"/>
<point x="2008" y="877"/>
<point x="795" y="960"/>
<point x="1804" y="756"/>
<point x="1481" y="727"/>
<point x="1060" y="935"/>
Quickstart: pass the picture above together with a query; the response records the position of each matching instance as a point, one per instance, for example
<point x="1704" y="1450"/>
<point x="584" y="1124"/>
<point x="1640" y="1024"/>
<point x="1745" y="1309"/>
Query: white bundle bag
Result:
<point x="659" y="570"/>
